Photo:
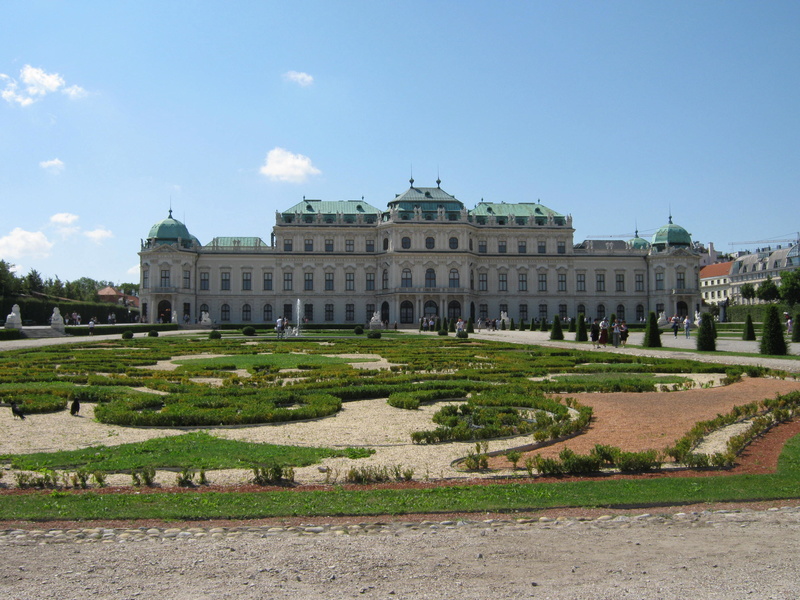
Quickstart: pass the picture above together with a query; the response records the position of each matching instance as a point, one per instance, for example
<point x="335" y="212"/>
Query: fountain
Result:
<point x="297" y="330"/>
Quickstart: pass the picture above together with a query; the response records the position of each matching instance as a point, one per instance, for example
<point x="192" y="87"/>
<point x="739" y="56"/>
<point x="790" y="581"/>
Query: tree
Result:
<point x="9" y="284"/>
<point x="772" y="340"/>
<point x="790" y="287"/>
<point x="749" y="333"/>
<point x="556" y="333"/>
<point x="748" y="291"/>
<point x="705" y="336"/>
<point x="581" y="335"/>
<point x="652" y="335"/>
<point x="768" y="291"/>
<point x="796" y="328"/>
<point x="33" y="283"/>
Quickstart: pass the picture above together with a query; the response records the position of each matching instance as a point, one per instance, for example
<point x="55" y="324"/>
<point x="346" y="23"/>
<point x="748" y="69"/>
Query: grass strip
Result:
<point x="511" y="497"/>
<point x="195" y="450"/>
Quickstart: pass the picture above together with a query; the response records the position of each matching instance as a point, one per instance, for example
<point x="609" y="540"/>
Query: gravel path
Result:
<point x="703" y="555"/>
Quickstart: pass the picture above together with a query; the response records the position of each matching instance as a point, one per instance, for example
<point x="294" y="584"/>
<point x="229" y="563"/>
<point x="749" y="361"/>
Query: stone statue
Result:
<point x="204" y="318"/>
<point x="662" y="318"/>
<point x="14" y="320"/>
<point x="56" y="320"/>
<point x="375" y="321"/>
<point x="697" y="316"/>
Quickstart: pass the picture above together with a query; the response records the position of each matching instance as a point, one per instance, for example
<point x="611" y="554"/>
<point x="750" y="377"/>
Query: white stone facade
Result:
<point x="424" y="255"/>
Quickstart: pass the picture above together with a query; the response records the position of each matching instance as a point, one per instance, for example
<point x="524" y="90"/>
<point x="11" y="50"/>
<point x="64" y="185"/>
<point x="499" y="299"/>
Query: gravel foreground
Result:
<point x="720" y="554"/>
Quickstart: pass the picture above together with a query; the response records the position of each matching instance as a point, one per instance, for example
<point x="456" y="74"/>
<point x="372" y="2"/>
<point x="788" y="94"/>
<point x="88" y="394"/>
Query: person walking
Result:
<point x="594" y="333"/>
<point x="687" y="326"/>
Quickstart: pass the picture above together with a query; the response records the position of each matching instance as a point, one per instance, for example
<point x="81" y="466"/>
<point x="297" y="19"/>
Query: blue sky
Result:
<point x="614" y="112"/>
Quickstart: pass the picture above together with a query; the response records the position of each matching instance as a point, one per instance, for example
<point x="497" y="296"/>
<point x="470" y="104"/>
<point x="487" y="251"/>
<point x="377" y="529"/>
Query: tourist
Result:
<point x="675" y="322"/>
<point x="615" y="333"/>
<point x="603" y="332"/>
<point x="595" y="333"/>
<point x="687" y="326"/>
<point x="623" y="333"/>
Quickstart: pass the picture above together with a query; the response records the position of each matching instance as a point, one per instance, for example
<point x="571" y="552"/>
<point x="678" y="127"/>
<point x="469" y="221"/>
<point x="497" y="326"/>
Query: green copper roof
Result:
<point x="638" y="243"/>
<point x="332" y="208"/>
<point x="171" y="230"/>
<point x="236" y="242"/>
<point x="671" y="235"/>
<point x="522" y="212"/>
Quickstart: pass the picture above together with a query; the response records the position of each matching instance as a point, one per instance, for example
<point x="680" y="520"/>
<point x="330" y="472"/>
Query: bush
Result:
<point x="127" y="335"/>
<point x="214" y="334"/>
<point x="557" y="333"/>
<point x="705" y="337"/>
<point x="581" y="334"/>
<point x="374" y="335"/>
<point x="152" y="333"/>
<point x="358" y="330"/>
<point x="249" y="331"/>
<point x="772" y="340"/>
<point x="442" y="332"/>
<point x="462" y="335"/>
<point x="652" y="335"/>
<point x="749" y="333"/>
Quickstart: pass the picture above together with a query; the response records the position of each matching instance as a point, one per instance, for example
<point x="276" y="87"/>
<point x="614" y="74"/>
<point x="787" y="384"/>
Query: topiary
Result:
<point x="581" y="334"/>
<point x="152" y="333"/>
<point x="127" y="334"/>
<point x="358" y="330"/>
<point x="462" y="335"/>
<point x="374" y="335"/>
<point x="772" y="340"/>
<point x="652" y="335"/>
<point x="512" y="327"/>
<point x="470" y="326"/>
<point x="249" y="330"/>
<point x="544" y="326"/>
<point x="706" y="341"/>
<point x="556" y="333"/>
<point x="214" y="335"/>
<point x="573" y="327"/>
<point x="749" y="333"/>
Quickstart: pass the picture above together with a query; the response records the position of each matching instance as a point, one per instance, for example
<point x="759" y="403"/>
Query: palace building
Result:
<point x="425" y="254"/>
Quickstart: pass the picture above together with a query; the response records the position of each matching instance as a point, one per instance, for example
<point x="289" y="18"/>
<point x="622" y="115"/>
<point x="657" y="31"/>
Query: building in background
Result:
<point x="424" y="255"/>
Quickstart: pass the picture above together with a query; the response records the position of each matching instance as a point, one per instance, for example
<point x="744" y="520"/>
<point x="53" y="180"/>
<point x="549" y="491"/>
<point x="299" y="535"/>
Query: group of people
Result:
<point x="600" y="332"/>
<point x="676" y="322"/>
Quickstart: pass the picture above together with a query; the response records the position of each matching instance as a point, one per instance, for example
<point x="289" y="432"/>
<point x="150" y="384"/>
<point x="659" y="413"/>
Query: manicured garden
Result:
<point x="487" y="390"/>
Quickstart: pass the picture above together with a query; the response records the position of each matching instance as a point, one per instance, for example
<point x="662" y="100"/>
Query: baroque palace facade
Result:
<point x="425" y="255"/>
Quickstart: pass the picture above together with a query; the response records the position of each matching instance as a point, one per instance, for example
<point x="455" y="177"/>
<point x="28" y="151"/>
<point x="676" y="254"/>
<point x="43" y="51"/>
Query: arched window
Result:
<point x="267" y="313"/>
<point x="455" y="280"/>
<point x="405" y="243"/>
<point x="430" y="243"/>
<point x="203" y="308"/>
<point x="453" y="309"/>
<point x="406" y="312"/>
<point x="431" y="308"/>
<point x="246" y="313"/>
<point x="620" y="312"/>
<point x="601" y="311"/>
<point x="225" y="313"/>
<point x="639" y="312"/>
<point x="582" y="309"/>
<point x="405" y="278"/>
<point x="453" y="243"/>
<point x="385" y="280"/>
<point x="430" y="278"/>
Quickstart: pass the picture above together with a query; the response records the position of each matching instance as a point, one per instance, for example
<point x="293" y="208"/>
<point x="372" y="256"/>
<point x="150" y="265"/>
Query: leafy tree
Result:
<point x="790" y="287"/>
<point x="581" y="334"/>
<point x="706" y="337"/>
<point x="749" y="333"/>
<point x="748" y="291"/>
<point x="772" y="340"/>
<point x="556" y="333"/>
<point x="768" y="291"/>
<point x="9" y="284"/>
<point x="652" y="335"/>
<point x="33" y="283"/>
<point x="54" y="287"/>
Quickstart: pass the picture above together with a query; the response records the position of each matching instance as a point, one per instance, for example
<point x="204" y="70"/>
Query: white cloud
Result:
<point x="36" y="84"/>
<point x="55" y="166"/>
<point x="302" y="79"/>
<point x="282" y="165"/>
<point x="134" y="270"/>
<point x="98" y="235"/>
<point x="64" y="218"/>
<point x="21" y="243"/>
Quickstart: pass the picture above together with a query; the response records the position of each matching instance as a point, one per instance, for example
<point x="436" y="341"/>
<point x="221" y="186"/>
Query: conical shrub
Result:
<point x="772" y="340"/>
<point x="749" y="333"/>
<point x="652" y="335"/>
<point x="581" y="334"/>
<point x="556" y="333"/>
<point x="706" y="340"/>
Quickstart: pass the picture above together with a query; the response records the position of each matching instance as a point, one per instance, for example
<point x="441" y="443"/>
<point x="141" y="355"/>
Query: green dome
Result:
<point x="171" y="230"/>
<point x="672" y="235"/>
<point x="638" y="243"/>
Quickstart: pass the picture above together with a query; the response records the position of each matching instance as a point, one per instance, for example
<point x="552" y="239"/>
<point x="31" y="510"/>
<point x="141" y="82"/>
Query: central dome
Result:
<point x="672" y="236"/>
<point x="170" y="231"/>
